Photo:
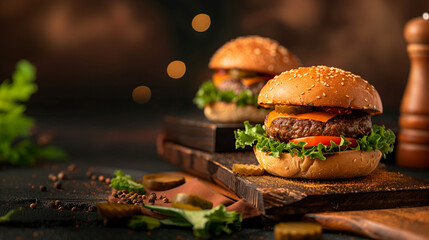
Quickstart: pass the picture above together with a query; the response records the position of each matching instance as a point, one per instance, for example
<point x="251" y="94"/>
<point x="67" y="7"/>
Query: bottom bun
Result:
<point x="231" y="113"/>
<point x="347" y="164"/>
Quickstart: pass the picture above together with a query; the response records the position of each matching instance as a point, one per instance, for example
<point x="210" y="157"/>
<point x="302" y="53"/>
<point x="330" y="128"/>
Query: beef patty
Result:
<point x="238" y="87"/>
<point x="355" y="125"/>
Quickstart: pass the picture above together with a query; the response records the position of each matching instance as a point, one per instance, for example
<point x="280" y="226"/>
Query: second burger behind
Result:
<point x="242" y="67"/>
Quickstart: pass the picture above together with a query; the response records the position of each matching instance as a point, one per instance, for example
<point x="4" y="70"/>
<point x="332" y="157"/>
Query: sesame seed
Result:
<point x="324" y="94"/>
<point x="342" y="83"/>
<point x="366" y="100"/>
<point x="318" y="97"/>
<point x="347" y="96"/>
<point x="327" y="85"/>
<point x="302" y="93"/>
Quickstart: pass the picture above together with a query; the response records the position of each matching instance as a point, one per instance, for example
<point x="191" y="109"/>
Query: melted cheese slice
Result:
<point x="220" y="77"/>
<point x="317" y="116"/>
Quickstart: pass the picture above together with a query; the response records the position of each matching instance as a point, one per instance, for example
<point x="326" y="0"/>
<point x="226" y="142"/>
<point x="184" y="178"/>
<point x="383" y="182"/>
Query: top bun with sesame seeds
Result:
<point x="254" y="53"/>
<point x="321" y="86"/>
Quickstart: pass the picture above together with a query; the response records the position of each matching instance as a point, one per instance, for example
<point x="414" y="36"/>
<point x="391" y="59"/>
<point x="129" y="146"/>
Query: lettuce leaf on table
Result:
<point x="203" y="222"/>
<point x="380" y="138"/>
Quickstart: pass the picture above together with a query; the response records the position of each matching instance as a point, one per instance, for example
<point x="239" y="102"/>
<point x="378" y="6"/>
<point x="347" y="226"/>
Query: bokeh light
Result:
<point x="176" y="69"/>
<point x="141" y="94"/>
<point x="201" y="22"/>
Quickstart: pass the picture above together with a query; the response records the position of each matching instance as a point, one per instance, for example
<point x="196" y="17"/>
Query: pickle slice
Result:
<point x="290" y="109"/>
<point x="247" y="170"/>
<point x="161" y="182"/>
<point x="239" y="74"/>
<point x="114" y="210"/>
<point x="297" y="231"/>
<point x="182" y="199"/>
<point x="185" y="206"/>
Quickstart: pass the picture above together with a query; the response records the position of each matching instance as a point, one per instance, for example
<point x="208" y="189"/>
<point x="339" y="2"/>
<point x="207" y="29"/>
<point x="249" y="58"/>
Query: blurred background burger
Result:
<point x="242" y="67"/>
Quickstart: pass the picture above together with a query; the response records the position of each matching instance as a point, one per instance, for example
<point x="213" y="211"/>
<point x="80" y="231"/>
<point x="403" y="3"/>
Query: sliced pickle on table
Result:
<point x="239" y="74"/>
<point x="291" y="109"/>
<point x="247" y="170"/>
<point x="114" y="210"/>
<point x="161" y="182"/>
<point x="297" y="230"/>
<point x="182" y="200"/>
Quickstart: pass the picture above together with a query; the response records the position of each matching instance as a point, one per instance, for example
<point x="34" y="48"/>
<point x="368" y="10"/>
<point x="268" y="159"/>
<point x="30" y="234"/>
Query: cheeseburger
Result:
<point x="241" y="68"/>
<point x="320" y="127"/>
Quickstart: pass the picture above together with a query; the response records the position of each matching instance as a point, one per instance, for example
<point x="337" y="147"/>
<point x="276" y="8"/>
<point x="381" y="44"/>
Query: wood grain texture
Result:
<point x="199" y="133"/>
<point x="278" y="197"/>
<point x="399" y="223"/>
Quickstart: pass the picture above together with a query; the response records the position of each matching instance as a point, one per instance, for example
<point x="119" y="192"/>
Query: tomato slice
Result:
<point x="325" y="140"/>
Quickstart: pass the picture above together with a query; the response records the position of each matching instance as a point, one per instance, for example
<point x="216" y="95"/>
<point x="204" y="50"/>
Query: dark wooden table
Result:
<point x="105" y="144"/>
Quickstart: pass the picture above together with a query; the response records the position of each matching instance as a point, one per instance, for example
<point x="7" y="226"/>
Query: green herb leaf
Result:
<point x="209" y="93"/>
<point x="7" y="216"/>
<point x="14" y="125"/>
<point x="204" y="222"/>
<point x="125" y="182"/>
<point x="144" y="223"/>
<point x="380" y="139"/>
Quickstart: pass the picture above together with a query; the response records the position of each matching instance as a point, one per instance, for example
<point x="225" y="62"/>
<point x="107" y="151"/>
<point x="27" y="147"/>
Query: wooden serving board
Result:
<point x="398" y="223"/>
<point x="196" y="132"/>
<point x="278" y="197"/>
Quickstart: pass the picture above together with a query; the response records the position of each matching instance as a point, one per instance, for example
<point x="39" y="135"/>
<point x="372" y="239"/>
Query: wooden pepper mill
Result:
<point x="413" y="138"/>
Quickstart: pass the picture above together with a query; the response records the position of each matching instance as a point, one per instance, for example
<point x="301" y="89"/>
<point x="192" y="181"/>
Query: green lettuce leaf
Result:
<point x="380" y="138"/>
<point x="7" y="216"/>
<point x="123" y="181"/>
<point x="203" y="222"/>
<point x="144" y="223"/>
<point x="208" y="93"/>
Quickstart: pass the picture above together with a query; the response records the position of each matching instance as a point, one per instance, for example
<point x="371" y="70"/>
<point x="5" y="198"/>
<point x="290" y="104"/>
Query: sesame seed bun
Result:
<point x="254" y="53"/>
<point x="347" y="164"/>
<point x="230" y="113"/>
<point x="321" y="86"/>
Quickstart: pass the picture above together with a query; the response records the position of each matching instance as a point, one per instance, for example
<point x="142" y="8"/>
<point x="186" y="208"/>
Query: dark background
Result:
<point x="90" y="55"/>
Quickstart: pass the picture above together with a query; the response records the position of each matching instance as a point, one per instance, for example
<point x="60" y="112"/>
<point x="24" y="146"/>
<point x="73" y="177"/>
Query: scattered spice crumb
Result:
<point x="71" y="167"/>
<point x="52" y="204"/>
<point x="57" y="203"/>
<point x="73" y="209"/>
<point x="94" y="177"/>
<point x="42" y="188"/>
<point x="108" y="180"/>
<point x="57" y="185"/>
<point x="61" y="208"/>
<point x="33" y="206"/>
<point x="62" y="175"/>
<point x="101" y="178"/>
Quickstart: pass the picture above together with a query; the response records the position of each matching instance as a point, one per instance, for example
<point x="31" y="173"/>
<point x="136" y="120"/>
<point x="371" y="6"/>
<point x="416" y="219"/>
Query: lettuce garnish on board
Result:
<point x="209" y="93"/>
<point x="380" y="138"/>
<point x="125" y="182"/>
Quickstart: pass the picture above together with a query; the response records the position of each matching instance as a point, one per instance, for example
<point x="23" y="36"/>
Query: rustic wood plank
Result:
<point x="199" y="133"/>
<point x="277" y="197"/>
<point x="399" y="223"/>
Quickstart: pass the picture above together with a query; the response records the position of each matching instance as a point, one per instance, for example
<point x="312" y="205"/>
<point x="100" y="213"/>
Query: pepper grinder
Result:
<point x="413" y="138"/>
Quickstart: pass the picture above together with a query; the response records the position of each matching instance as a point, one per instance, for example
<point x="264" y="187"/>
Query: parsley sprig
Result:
<point x="209" y="93"/>
<point x="123" y="181"/>
<point x="15" y="147"/>
<point x="380" y="138"/>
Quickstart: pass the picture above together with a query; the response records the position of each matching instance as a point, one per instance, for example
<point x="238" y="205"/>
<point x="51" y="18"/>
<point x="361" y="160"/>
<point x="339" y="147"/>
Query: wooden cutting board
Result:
<point x="197" y="132"/>
<point x="399" y="223"/>
<point x="279" y="197"/>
